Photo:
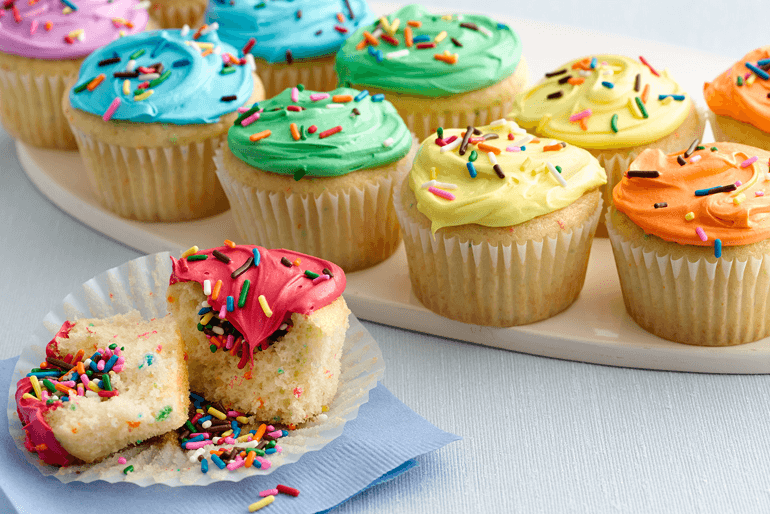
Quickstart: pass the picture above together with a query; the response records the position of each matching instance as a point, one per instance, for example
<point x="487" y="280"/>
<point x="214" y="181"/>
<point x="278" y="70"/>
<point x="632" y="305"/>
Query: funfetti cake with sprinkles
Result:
<point x="315" y="172"/>
<point x="691" y="239"/>
<point x="42" y="44"/>
<point x="437" y="70"/>
<point x="498" y="224"/>
<point x="292" y="42"/>
<point x="105" y="384"/>
<point x="613" y="106"/>
<point x="148" y="112"/>
<point x="264" y="329"/>
<point x="739" y="100"/>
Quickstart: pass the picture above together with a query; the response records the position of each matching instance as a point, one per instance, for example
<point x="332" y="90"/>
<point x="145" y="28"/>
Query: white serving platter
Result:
<point x="595" y="329"/>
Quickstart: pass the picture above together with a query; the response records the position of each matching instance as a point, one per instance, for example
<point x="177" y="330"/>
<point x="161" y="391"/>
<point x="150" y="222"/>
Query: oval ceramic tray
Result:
<point x="595" y="329"/>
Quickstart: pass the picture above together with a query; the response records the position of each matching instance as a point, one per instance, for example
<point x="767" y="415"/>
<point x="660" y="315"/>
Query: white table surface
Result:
<point x="540" y="435"/>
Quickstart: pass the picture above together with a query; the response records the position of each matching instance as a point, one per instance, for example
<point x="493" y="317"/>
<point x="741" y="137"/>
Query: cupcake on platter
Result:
<point x="169" y="14"/>
<point x="497" y="231"/>
<point x="315" y="172"/>
<point x="613" y="106"/>
<point x="691" y="239"/>
<point x="451" y="70"/>
<point x="292" y="42"/>
<point x="148" y="112"/>
<point x="42" y="45"/>
<point x="739" y="101"/>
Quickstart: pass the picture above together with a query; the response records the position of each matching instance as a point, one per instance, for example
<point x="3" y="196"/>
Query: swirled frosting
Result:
<point x="195" y="84"/>
<point x="740" y="93"/>
<point x="676" y="205"/>
<point x="484" y="52"/>
<point x="372" y="134"/>
<point x="49" y="29"/>
<point x="604" y="101"/>
<point x="286" y="289"/>
<point x="306" y="28"/>
<point x="527" y="188"/>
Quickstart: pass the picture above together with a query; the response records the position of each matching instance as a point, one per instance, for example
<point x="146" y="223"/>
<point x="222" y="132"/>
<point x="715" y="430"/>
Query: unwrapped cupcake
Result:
<point x="613" y="106"/>
<point x="169" y="14"/>
<point x="148" y="112"/>
<point x="739" y="101"/>
<point x="498" y="232"/>
<point x="292" y="42"/>
<point x="691" y="238"/>
<point x="315" y="172"/>
<point x="451" y="71"/>
<point x="42" y="45"/>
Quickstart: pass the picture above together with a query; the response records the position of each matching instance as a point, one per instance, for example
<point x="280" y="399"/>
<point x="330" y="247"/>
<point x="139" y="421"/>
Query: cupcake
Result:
<point x="292" y="42"/>
<point x="614" y="107"/>
<point x="438" y="71"/>
<point x="105" y="384"/>
<point x="169" y="14"/>
<point x="42" y="45"/>
<point x="315" y="172"/>
<point x="738" y="99"/>
<point x="264" y="329"/>
<point x="148" y="111"/>
<point x="498" y="234"/>
<point x="691" y="240"/>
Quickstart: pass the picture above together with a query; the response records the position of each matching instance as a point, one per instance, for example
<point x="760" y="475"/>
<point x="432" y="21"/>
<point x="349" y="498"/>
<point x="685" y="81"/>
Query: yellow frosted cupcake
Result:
<point x="613" y="106"/>
<point x="498" y="234"/>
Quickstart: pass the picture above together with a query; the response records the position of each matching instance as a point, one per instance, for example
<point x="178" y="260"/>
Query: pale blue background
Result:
<point x="540" y="435"/>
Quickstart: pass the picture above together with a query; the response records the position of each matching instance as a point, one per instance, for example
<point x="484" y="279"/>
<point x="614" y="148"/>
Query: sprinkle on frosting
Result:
<point x="641" y="106"/>
<point x="723" y="192"/>
<point x="504" y="189"/>
<point x="448" y="54"/>
<point x="158" y="76"/>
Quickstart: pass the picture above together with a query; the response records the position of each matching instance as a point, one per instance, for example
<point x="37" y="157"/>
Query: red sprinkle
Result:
<point x="330" y="132"/>
<point x="511" y="137"/>
<point x="426" y="45"/>
<point x="295" y="108"/>
<point x="440" y="142"/>
<point x="644" y="61"/>
<point x="107" y="394"/>
<point x="389" y="39"/>
<point x="68" y="40"/>
<point x="248" y="46"/>
<point x="16" y="14"/>
<point x="342" y="30"/>
<point x="287" y="490"/>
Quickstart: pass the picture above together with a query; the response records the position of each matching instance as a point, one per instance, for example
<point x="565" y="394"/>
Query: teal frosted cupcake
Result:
<point x="314" y="172"/>
<point x="438" y="71"/>
<point x="292" y="42"/>
<point x="148" y="112"/>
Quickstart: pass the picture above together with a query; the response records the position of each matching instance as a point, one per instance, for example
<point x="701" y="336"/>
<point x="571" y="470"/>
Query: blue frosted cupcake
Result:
<point x="148" y="111"/>
<point x="292" y="42"/>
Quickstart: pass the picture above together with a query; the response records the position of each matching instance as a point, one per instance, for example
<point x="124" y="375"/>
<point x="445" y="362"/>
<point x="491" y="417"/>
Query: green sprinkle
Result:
<point x="227" y="70"/>
<point x="614" y="123"/>
<point x="714" y="149"/>
<point x="440" y="132"/>
<point x="164" y="412"/>
<point x="246" y="114"/>
<point x="190" y="426"/>
<point x="201" y="257"/>
<point x="473" y="156"/>
<point x="701" y="148"/>
<point x="137" y="54"/>
<point x="213" y="348"/>
<point x="299" y="174"/>
<point x="113" y="346"/>
<point x="200" y="327"/>
<point x="740" y="80"/>
<point x="642" y="108"/>
<point x="49" y="402"/>
<point x="82" y="87"/>
<point x="271" y="444"/>
<point x="129" y="469"/>
<point x="310" y="274"/>
<point x="90" y="373"/>
<point x="49" y="385"/>
<point x="260" y="5"/>
<point x="558" y="168"/>
<point x="244" y="293"/>
<point x="300" y="87"/>
<point x="280" y="371"/>
<point x="161" y="79"/>
<point x="302" y="134"/>
<point x="106" y="383"/>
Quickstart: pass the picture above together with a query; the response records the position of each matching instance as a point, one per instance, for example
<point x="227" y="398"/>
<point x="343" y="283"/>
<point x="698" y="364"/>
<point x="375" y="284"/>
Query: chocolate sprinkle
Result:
<point x="660" y="205"/>
<point x="327" y="271"/>
<point x="556" y="73"/>
<point x="356" y="111"/>
<point x="476" y="132"/>
<point x="719" y="189"/>
<point x="466" y="138"/>
<point x="240" y="271"/>
<point x="638" y="82"/>
<point x="554" y="96"/>
<point x="681" y="160"/>
<point x="565" y="79"/>
<point x="499" y="171"/>
<point x="489" y="136"/>
<point x="471" y="26"/>
<point x="125" y="74"/>
<point x="456" y="42"/>
<point x="229" y="98"/>
<point x="289" y="57"/>
<point x="59" y="363"/>
<point x="643" y="174"/>
<point x="692" y="148"/>
<point x="299" y="14"/>
<point x="222" y="257"/>
<point x="107" y="62"/>
<point x="350" y="10"/>
<point x="286" y="262"/>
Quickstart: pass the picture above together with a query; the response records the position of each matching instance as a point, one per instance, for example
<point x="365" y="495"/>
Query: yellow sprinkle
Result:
<point x="689" y="216"/>
<point x="740" y="198"/>
<point x="199" y="411"/>
<point x="144" y="96"/>
<point x="66" y="10"/>
<point x="206" y="318"/>
<point x="447" y="17"/>
<point x="93" y="387"/>
<point x="384" y="23"/>
<point x="190" y="251"/>
<point x="394" y="26"/>
<point x="36" y="387"/>
<point x="446" y="52"/>
<point x="217" y="414"/>
<point x="227" y="434"/>
<point x="433" y="173"/>
<point x="243" y="438"/>
<point x="126" y="87"/>
<point x="324" y="408"/>
<point x="242" y="419"/>
<point x="122" y="33"/>
<point x="204" y="45"/>
<point x="441" y="36"/>
<point x="264" y="305"/>
<point x="75" y="33"/>
<point x="28" y="396"/>
<point x="264" y="502"/>
<point x="750" y="80"/>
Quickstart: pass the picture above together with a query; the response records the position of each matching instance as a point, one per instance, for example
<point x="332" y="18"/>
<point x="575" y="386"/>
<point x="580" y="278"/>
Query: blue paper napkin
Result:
<point x="377" y="446"/>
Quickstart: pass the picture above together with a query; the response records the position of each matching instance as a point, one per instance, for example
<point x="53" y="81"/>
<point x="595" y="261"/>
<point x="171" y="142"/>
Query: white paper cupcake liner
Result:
<point x="315" y="75"/>
<point x="707" y="302"/>
<point x="355" y="228"/>
<point x="165" y="183"/>
<point x="497" y="285"/>
<point x="31" y="109"/>
<point x="141" y="284"/>
<point x="169" y="16"/>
